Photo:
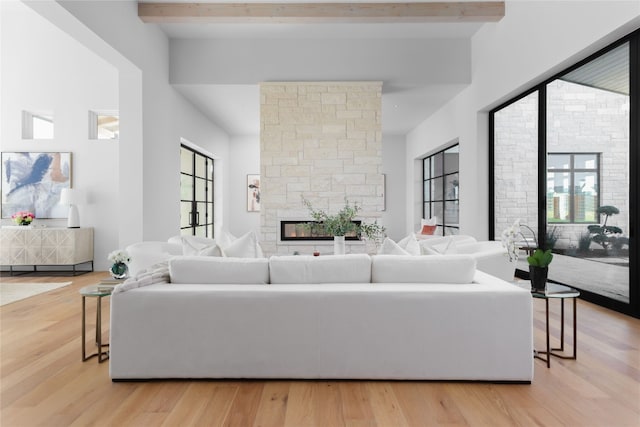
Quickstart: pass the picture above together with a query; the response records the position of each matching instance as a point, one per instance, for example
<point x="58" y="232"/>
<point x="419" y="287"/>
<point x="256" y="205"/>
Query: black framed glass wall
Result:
<point x="441" y="187"/>
<point x="564" y="159"/>
<point x="196" y="193"/>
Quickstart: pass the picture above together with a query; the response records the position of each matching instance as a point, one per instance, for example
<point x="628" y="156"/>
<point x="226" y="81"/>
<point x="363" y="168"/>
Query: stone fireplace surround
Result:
<point x="321" y="141"/>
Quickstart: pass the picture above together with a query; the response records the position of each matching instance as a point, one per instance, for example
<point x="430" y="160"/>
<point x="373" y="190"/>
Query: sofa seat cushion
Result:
<point x="423" y="269"/>
<point x="351" y="268"/>
<point x="219" y="270"/>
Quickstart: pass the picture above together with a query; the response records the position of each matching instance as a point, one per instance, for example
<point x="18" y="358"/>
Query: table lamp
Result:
<point x="72" y="197"/>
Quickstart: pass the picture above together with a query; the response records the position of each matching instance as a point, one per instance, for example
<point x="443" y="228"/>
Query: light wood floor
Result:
<point x="44" y="382"/>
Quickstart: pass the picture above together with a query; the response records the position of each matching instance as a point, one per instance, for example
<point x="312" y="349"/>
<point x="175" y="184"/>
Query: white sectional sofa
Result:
<point x="331" y="317"/>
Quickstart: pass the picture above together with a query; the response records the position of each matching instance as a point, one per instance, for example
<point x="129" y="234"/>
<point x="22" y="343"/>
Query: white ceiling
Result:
<point x="235" y="107"/>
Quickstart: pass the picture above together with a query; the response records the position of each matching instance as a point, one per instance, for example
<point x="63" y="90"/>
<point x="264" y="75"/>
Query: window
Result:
<point x="564" y="157"/>
<point x="37" y="125"/>
<point x="572" y="187"/>
<point x="196" y="193"/>
<point x="104" y="125"/>
<point x="440" y="189"/>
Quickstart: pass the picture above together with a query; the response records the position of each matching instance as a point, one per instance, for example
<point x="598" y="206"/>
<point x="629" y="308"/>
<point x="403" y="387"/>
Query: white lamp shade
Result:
<point x="71" y="196"/>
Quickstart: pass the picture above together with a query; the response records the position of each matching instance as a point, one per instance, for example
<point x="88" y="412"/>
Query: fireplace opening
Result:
<point x="301" y="231"/>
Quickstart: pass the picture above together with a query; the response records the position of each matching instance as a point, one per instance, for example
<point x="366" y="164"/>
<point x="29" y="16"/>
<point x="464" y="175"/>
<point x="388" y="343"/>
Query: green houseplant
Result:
<point x="342" y="224"/>
<point x="538" y="261"/>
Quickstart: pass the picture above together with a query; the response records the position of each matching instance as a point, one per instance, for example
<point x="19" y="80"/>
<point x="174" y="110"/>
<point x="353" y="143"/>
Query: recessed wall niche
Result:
<point x="37" y="125"/>
<point x="104" y="125"/>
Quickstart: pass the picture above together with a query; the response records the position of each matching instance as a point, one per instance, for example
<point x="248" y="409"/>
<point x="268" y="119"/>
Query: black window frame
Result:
<point x="633" y="307"/>
<point x="209" y="216"/>
<point x="572" y="170"/>
<point x="426" y="186"/>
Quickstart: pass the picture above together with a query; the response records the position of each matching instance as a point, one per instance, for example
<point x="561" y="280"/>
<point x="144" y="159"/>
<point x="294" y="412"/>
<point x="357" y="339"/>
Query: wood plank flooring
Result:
<point x="43" y="382"/>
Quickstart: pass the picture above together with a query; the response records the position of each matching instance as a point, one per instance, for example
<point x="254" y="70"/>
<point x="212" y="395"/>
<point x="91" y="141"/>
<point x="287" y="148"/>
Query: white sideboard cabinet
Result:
<point x="24" y="246"/>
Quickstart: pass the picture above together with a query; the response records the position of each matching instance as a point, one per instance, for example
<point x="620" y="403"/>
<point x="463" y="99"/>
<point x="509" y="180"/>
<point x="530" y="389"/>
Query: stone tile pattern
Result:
<point x="323" y="141"/>
<point x="581" y="119"/>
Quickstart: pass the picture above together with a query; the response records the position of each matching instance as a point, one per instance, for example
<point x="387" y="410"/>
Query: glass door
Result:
<point x="587" y="192"/>
<point x="564" y="160"/>
<point x="196" y="193"/>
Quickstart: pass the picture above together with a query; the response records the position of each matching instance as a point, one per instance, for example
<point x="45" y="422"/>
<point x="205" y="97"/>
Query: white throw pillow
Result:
<point x="431" y="221"/>
<point x="412" y="269"/>
<point x="245" y="246"/>
<point x="202" y="246"/>
<point x="389" y="247"/>
<point x="218" y="270"/>
<point x="304" y="269"/>
<point x="410" y="244"/>
<point x="224" y="238"/>
<point x="446" y="248"/>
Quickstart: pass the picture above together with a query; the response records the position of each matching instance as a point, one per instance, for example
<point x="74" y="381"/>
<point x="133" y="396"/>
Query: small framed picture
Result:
<point x="253" y="193"/>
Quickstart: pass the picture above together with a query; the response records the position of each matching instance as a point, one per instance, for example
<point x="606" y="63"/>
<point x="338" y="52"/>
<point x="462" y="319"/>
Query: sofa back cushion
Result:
<point x="422" y="269"/>
<point x="219" y="270"/>
<point x="352" y="268"/>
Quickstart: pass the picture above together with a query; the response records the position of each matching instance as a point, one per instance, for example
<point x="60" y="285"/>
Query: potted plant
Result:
<point x="538" y="261"/>
<point x="342" y="224"/>
<point x="539" y="269"/>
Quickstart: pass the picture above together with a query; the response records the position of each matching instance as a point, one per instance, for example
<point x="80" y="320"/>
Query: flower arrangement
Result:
<point x="511" y="235"/>
<point x="119" y="257"/>
<point x="342" y="223"/>
<point x="23" y="217"/>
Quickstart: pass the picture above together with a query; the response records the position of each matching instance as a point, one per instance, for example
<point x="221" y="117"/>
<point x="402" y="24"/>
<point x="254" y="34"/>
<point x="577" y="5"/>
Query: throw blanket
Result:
<point x="157" y="273"/>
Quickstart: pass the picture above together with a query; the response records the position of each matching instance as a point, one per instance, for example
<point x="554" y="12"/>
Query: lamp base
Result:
<point x="74" y="219"/>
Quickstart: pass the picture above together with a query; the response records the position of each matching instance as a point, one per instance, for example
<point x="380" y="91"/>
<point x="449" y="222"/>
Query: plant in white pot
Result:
<point x="342" y="224"/>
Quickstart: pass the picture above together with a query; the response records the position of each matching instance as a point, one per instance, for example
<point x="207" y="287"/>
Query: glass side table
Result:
<point x="93" y="291"/>
<point x="560" y="292"/>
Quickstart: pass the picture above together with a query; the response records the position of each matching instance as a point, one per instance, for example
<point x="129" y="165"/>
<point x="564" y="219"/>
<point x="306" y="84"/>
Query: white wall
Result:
<point x="394" y="216"/>
<point x="534" y="40"/>
<point x="45" y="69"/>
<point x="244" y="159"/>
<point x="154" y="116"/>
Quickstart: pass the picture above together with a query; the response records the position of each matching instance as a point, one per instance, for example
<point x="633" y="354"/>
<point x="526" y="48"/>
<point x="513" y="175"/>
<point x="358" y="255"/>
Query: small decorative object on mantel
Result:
<point x="538" y="262"/>
<point x="119" y="269"/>
<point x="23" y="218"/>
<point x="342" y="224"/>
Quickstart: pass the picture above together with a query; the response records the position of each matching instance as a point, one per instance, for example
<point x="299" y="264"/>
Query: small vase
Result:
<point x="119" y="270"/>
<point x="338" y="245"/>
<point x="538" y="277"/>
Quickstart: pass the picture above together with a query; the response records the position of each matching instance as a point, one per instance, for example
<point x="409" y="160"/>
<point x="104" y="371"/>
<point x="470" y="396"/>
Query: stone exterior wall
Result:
<point x="580" y="119"/>
<point x="323" y="141"/>
<point x="516" y="164"/>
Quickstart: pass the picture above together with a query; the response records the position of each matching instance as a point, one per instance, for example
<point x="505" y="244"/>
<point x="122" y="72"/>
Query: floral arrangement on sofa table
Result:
<point x="538" y="262"/>
<point x="23" y="217"/>
<point x="120" y="259"/>
<point x="342" y="223"/>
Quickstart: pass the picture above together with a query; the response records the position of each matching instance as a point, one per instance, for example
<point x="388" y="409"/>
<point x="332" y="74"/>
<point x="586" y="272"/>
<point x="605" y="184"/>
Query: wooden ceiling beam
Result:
<point x="463" y="11"/>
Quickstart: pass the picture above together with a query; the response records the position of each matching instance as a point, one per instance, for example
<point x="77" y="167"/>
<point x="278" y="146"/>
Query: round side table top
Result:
<point x="557" y="291"/>
<point x="93" y="291"/>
